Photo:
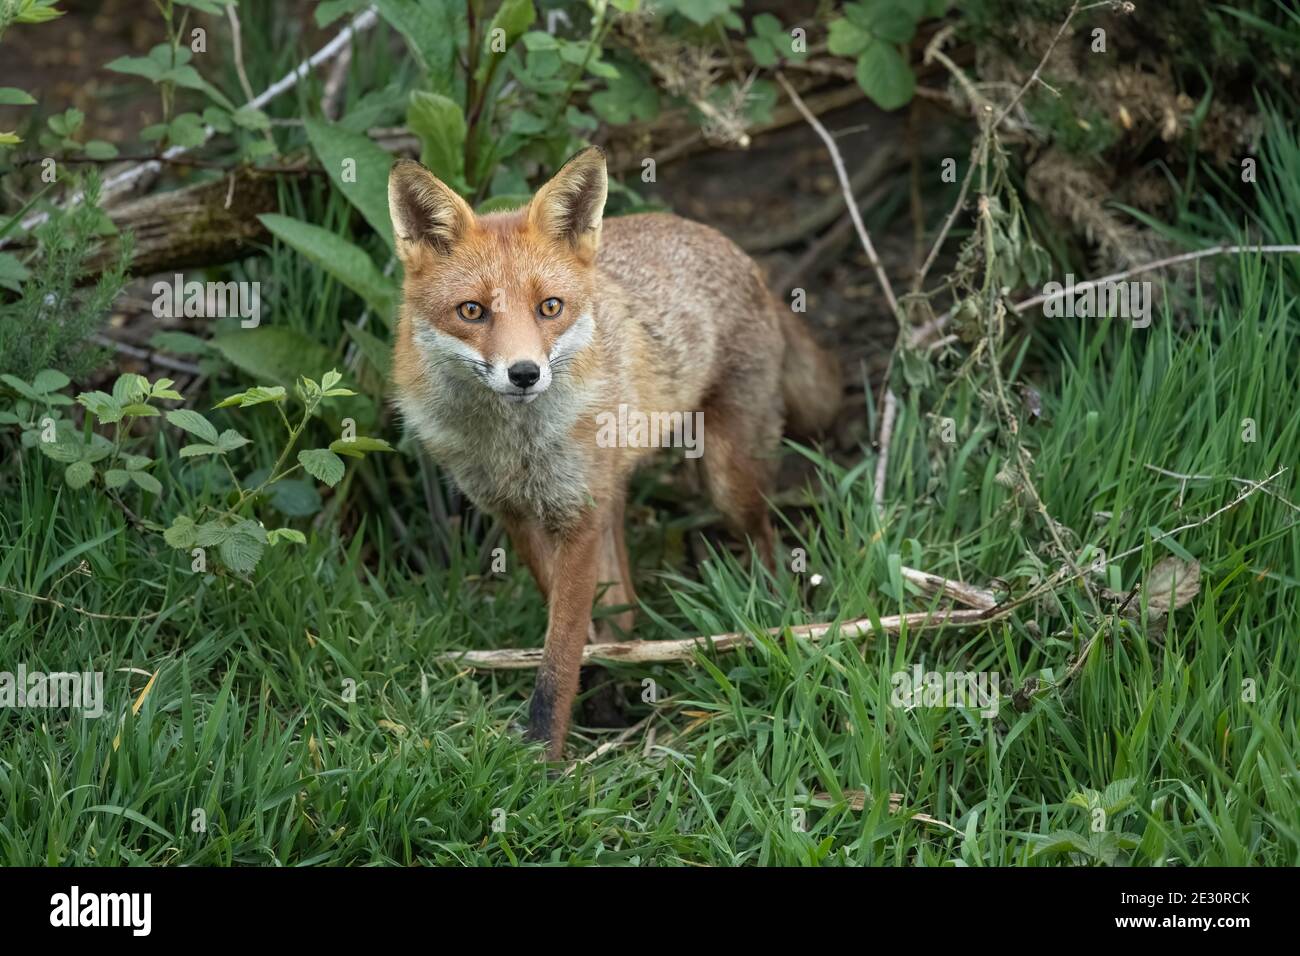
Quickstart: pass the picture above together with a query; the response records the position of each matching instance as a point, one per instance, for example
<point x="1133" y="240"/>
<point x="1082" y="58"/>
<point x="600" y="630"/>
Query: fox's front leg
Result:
<point x="575" y="558"/>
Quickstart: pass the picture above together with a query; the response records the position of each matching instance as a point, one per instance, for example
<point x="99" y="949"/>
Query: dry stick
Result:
<point x="81" y="610"/>
<point x="123" y="180"/>
<point x="684" y="649"/>
<point x="965" y="593"/>
<point x="643" y="652"/>
<point x="1240" y="481"/>
<point x="1056" y="580"/>
<point x="886" y="435"/>
<point x="891" y="403"/>
<point x="926" y="331"/>
<point x="845" y="188"/>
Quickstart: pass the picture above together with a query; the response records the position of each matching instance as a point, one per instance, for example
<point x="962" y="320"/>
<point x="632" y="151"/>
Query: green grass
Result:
<point x="247" y="718"/>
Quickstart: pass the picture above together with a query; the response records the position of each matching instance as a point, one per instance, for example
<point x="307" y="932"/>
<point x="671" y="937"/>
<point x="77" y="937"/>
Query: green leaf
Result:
<point x="240" y="552"/>
<point x="289" y="535"/>
<point x="230" y="440"/>
<point x="359" y="446"/>
<point x="762" y="51"/>
<point x="144" y="66"/>
<point x="147" y="481"/>
<point x="260" y="395"/>
<point x="885" y="76"/>
<point x="702" y="12"/>
<point x="440" y="125"/>
<point x="211" y="533"/>
<point x="140" y="410"/>
<point x="191" y="421"/>
<point x="116" y="478"/>
<point x="346" y="262"/>
<point x="271" y="353"/>
<point x="179" y="343"/>
<point x="430" y="30"/>
<point x="182" y="534"/>
<point x="187" y="130"/>
<point x="323" y="465"/>
<point x="50" y="380"/>
<point x="11" y="96"/>
<point x="293" y="498"/>
<point x="130" y="387"/>
<point x="846" y="39"/>
<point x="100" y="149"/>
<point x="197" y="449"/>
<point x="251" y="118"/>
<point x="376" y="351"/>
<point x="78" y="474"/>
<point x="512" y="18"/>
<point x="104" y="407"/>
<point x="358" y="168"/>
<point x="12" y="272"/>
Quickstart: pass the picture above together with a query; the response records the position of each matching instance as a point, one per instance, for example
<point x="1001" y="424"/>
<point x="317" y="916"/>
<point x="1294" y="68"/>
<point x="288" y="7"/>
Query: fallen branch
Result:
<point x="967" y="594"/>
<point x="684" y="649"/>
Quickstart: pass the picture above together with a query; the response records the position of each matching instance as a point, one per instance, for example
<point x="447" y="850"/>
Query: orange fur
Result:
<point x="658" y="313"/>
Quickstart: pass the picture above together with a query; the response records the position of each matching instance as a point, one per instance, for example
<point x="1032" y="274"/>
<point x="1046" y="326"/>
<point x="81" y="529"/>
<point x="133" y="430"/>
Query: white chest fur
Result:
<point x="507" y="457"/>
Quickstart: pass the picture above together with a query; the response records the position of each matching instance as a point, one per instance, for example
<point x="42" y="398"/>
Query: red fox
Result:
<point x="520" y="330"/>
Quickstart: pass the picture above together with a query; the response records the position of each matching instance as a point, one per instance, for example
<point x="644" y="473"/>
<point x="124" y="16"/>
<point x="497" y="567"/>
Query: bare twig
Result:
<point x="846" y="188"/>
<point x="644" y="652"/>
<point x="965" y="593"/>
<point x="886" y="435"/>
<point x="81" y="610"/>
<point x="925" y="332"/>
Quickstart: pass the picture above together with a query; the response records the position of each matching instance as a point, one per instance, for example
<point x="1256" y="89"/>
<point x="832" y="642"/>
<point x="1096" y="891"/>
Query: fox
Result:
<point x="519" y="329"/>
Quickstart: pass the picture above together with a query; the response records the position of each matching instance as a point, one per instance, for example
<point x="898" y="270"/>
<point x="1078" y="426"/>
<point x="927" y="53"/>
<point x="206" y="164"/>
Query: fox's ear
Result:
<point x="424" y="210"/>
<point x="569" y="207"/>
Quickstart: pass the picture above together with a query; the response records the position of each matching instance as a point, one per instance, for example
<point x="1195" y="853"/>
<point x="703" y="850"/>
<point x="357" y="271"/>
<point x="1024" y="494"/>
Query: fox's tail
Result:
<point x="810" y="380"/>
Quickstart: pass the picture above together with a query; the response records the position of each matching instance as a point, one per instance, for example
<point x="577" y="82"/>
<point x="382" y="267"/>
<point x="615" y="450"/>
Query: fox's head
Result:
<point x="503" y="299"/>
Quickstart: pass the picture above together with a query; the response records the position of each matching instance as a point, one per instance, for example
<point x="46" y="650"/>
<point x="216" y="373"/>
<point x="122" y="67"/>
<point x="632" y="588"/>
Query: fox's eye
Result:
<point x="550" y="308"/>
<point x="470" y="311"/>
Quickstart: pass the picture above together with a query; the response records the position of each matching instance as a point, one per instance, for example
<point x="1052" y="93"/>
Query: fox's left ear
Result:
<point x="569" y="207"/>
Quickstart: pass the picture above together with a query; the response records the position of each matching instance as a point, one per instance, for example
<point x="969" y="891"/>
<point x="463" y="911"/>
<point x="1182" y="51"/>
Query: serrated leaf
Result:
<point x="78" y="474"/>
<point x="241" y="552"/>
<point x="197" y="449"/>
<point x="885" y="76"/>
<point x="191" y="421"/>
<point x="323" y="465"/>
<point x="182" y="534"/>
<point x="230" y="440"/>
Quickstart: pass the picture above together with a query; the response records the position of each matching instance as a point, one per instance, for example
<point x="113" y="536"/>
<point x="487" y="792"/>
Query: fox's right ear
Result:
<point x="424" y="210"/>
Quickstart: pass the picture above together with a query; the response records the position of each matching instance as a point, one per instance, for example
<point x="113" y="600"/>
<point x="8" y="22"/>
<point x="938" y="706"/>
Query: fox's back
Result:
<point x="698" y="299"/>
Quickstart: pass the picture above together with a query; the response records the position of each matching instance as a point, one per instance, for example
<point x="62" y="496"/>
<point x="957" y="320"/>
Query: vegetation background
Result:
<point x="273" y="606"/>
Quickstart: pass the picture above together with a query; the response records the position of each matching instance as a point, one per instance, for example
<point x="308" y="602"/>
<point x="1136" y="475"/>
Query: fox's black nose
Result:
<point x="524" y="374"/>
